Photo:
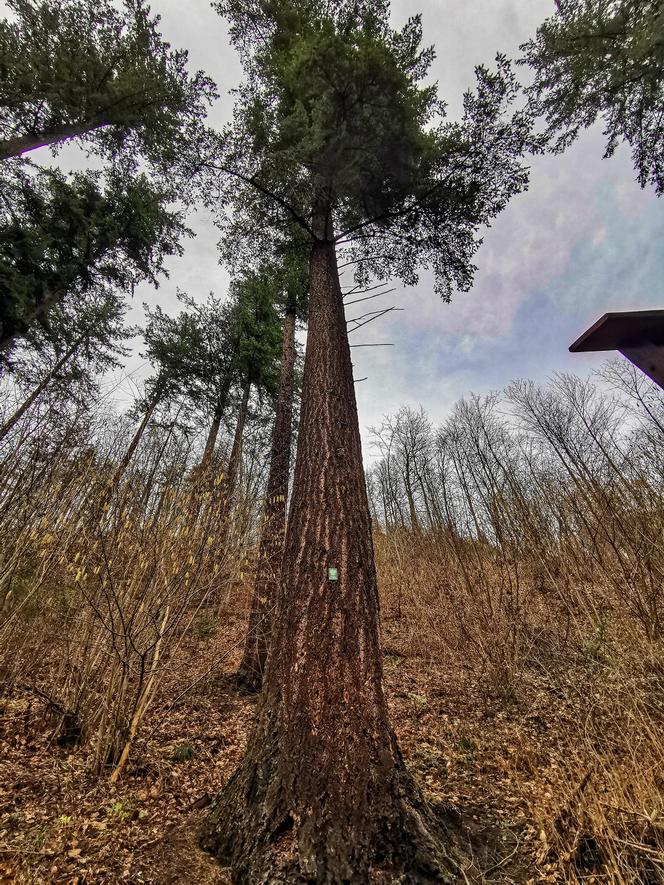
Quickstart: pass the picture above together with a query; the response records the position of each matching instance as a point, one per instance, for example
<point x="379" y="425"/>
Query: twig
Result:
<point x="143" y="704"/>
<point x="377" y="314"/>
<point x="369" y="297"/>
<point x="503" y="861"/>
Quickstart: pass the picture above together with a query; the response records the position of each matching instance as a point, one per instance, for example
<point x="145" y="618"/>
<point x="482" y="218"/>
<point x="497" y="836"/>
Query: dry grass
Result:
<point x="522" y="585"/>
<point x="566" y="717"/>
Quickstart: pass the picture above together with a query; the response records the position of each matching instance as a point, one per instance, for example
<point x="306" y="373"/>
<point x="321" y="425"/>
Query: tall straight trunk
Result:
<point x="23" y="144"/>
<point x="322" y="794"/>
<point x="41" y="387"/>
<point x="133" y="445"/>
<point x="373" y="512"/>
<point x="383" y="495"/>
<point x="235" y="460"/>
<point x="213" y="433"/>
<point x="226" y="501"/>
<point x="273" y="529"/>
<point x="427" y="497"/>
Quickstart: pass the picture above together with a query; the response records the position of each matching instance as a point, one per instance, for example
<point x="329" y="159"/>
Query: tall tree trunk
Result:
<point x="322" y="794"/>
<point x="273" y="530"/>
<point x="199" y="474"/>
<point x="225" y="503"/>
<point x="235" y="460"/>
<point x="41" y="387"/>
<point x="23" y="144"/>
<point x="133" y="445"/>
<point x="211" y="440"/>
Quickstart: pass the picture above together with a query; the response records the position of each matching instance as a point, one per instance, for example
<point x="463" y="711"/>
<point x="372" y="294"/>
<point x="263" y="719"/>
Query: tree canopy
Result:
<point x="171" y="346"/>
<point x="99" y="72"/>
<point x="95" y="327"/>
<point x="335" y="130"/>
<point x="84" y="342"/>
<point x="258" y="331"/>
<point x="61" y="236"/>
<point x="213" y="345"/>
<point x="603" y="59"/>
<point x="66" y="355"/>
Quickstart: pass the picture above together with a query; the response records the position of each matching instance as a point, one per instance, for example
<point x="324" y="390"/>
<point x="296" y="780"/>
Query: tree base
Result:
<point x="247" y="681"/>
<point x="400" y="841"/>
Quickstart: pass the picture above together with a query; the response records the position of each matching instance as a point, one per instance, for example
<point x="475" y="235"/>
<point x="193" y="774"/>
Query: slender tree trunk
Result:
<point x="412" y="511"/>
<point x="133" y="445"/>
<point x="23" y="144"/>
<point x="225" y="503"/>
<point x="322" y="794"/>
<point x="385" y="513"/>
<point x="273" y="530"/>
<point x="145" y="501"/>
<point x="41" y="387"/>
<point x="373" y="510"/>
<point x="200" y="475"/>
<point x="235" y="460"/>
<point x="213" y="433"/>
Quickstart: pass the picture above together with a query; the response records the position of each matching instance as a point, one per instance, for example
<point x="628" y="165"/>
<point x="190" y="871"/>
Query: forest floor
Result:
<point x="60" y="824"/>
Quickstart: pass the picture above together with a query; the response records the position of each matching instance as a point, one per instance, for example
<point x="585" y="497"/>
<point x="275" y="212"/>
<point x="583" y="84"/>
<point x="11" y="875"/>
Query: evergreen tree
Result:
<point x="334" y="131"/>
<point x="98" y="72"/>
<point x="61" y="237"/>
<point x="71" y="351"/>
<point x="214" y="347"/>
<point x="597" y="59"/>
<point x="211" y="364"/>
<point x="254" y="313"/>
<point x="256" y="335"/>
<point x="169" y="345"/>
<point x="288" y="283"/>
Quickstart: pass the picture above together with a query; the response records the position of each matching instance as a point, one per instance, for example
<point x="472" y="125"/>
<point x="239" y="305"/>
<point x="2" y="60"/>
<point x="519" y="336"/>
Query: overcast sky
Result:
<point x="583" y="240"/>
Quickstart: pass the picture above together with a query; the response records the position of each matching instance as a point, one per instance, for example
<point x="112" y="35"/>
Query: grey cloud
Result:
<point x="529" y="247"/>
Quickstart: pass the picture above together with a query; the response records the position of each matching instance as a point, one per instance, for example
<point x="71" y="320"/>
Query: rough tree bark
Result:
<point x="322" y="794"/>
<point x="211" y="440"/>
<point x="273" y="530"/>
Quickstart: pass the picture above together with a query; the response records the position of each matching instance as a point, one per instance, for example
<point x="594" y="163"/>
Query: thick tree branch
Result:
<point x="23" y="144"/>
<point x="249" y="179"/>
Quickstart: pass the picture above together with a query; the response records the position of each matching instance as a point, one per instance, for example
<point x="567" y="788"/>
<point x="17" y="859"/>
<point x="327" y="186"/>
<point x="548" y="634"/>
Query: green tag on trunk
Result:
<point x="333" y="574"/>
